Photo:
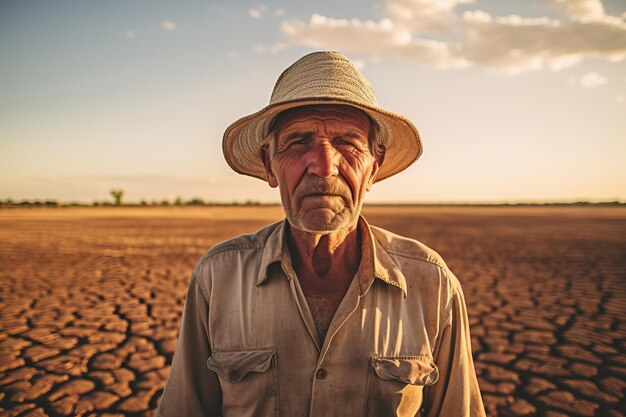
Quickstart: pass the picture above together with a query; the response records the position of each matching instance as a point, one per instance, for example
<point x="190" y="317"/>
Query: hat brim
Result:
<point x="242" y="139"/>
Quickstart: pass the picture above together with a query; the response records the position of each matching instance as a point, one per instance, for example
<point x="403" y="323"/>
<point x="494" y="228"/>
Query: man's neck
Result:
<point x="320" y="255"/>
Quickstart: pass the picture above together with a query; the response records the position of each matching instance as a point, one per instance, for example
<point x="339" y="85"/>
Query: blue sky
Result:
<point x="515" y="101"/>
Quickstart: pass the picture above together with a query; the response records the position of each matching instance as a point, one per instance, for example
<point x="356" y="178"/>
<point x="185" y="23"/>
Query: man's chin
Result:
<point x="322" y="220"/>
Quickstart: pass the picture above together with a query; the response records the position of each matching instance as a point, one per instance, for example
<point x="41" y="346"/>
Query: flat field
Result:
<point x="91" y="298"/>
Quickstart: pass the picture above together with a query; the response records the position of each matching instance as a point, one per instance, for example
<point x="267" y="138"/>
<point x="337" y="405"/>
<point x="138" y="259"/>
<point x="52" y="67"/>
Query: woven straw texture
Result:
<point x="321" y="78"/>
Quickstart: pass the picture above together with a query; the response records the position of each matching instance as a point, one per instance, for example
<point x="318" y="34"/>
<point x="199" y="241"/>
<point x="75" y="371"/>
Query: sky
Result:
<point x="515" y="101"/>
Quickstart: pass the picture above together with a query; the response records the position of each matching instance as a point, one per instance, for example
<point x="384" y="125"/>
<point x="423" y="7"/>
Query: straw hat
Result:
<point x="321" y="78"/>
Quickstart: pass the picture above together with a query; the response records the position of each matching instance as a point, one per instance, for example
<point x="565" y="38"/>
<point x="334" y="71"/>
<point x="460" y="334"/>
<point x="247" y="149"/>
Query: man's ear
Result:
<point x="267" y="164"/>
<point x="373" y="175"/>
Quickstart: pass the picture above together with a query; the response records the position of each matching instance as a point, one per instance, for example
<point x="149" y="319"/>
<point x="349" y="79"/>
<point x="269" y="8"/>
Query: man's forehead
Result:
<point x="351" y="116"/>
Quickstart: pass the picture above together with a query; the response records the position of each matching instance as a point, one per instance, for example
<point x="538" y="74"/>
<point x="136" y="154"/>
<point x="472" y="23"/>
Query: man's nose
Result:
<point x="323" y="160"/>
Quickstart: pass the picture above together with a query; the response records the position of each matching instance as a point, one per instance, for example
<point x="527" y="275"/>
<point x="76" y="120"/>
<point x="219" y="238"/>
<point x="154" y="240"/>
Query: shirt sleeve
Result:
<point x="192" y="390"/>
<point x="456" y="393"/>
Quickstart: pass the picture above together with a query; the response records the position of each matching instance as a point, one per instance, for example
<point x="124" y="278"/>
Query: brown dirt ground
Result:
<point x="90" y="301"/>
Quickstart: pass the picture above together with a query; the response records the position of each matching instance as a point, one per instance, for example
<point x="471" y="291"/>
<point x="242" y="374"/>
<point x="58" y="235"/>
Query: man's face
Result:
<point x="323" y="166"/>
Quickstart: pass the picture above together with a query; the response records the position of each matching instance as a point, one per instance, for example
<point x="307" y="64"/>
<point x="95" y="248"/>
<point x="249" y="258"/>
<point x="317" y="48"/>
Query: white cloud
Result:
<point x="423" y="15"/>
<point x="515" y="44"/>
<point x="581" y="10"/>
<point x="619" y="98"/>
<point x="167" y="25"/>
<point x="592" y="80"/>
<point x="232" y="55"/>
<point x="262" y="10"/>
<point x="370" y="38"/>
<point x="130" y="34"/>
<point x="510" y="44"/>
<point x="588" y="80"/>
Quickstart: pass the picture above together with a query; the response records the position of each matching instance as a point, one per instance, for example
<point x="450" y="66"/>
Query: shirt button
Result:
<point x="321" y="373"/>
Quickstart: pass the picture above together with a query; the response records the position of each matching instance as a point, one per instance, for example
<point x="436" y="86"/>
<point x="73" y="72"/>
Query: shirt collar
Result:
<point x="375" y="261"/>
<point x="379" y="264"/>
<point x="273" y="250"/>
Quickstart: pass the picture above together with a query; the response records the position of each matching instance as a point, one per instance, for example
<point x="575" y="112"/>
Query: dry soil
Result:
<point x="91" y="298"/>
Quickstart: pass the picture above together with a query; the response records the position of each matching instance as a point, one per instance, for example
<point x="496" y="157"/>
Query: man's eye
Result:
<point x="301" y="141"/>
<point x="341" y="141"/>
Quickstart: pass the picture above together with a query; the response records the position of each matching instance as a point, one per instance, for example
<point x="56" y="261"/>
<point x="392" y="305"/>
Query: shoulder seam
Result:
<point x="240" y="243"/>
<point x="208" y="256"/>
<point x="230" y="248"/>
<point x="418" y="258"/>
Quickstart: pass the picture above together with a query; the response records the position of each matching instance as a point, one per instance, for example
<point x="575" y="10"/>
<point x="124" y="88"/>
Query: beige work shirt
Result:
<point x="398" y="345"/>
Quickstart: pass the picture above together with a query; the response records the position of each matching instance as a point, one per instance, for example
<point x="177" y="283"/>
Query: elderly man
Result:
<point x="322" y="314"/>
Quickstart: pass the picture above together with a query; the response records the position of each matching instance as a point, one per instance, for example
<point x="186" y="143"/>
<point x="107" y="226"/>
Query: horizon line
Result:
<point x="252" y="202"/>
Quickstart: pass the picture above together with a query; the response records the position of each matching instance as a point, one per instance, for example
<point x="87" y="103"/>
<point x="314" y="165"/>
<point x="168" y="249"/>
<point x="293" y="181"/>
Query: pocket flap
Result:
<point x="235" y="366"/>
<point x="414" y="370"/>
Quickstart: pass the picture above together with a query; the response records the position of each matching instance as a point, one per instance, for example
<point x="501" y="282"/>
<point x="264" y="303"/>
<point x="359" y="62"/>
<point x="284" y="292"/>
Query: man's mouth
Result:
<point x="322" y="190"/>
<point x="322" y="195"/>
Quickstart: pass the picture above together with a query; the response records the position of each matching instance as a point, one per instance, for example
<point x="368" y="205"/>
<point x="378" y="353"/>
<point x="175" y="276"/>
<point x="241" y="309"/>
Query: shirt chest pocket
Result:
<point x="395" y="385"/>
<point x="249" y="381"/>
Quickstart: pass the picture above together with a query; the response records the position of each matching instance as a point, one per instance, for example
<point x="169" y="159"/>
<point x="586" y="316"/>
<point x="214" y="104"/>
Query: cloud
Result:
<point x="588" y="80"/>
<point x="516" y="44"/>
<point x="619" y="98"/>
<point x="423" y="15"/>
<point x="581" y="10"/>
<point x="370" y="38"/>
<point x="130" y="34"/>
<point x="258" y="12"/>
<point x="592" y="80"/>
<point x="167" y="25"/>
<point x="432" y="33"/>
<point x="279" y="12"/>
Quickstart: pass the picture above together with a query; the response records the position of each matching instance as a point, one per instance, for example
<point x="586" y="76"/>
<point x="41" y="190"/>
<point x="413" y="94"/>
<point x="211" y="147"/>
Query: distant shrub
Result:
<point x="196" y="201"/>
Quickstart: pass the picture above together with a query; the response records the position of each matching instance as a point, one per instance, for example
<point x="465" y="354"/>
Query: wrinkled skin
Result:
<point x="322" y="164"/>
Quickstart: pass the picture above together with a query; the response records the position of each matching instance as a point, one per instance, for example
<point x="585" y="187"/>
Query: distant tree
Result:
<point x="196" y="201"/>
<point x="143" y="202"/>
<point x="165" y="202"/>
<point x="178" y="201"/>
<point x="117" y="195"/>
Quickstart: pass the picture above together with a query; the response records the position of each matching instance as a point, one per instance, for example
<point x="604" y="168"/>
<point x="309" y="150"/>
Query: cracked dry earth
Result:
<point x="91" y="298"/>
